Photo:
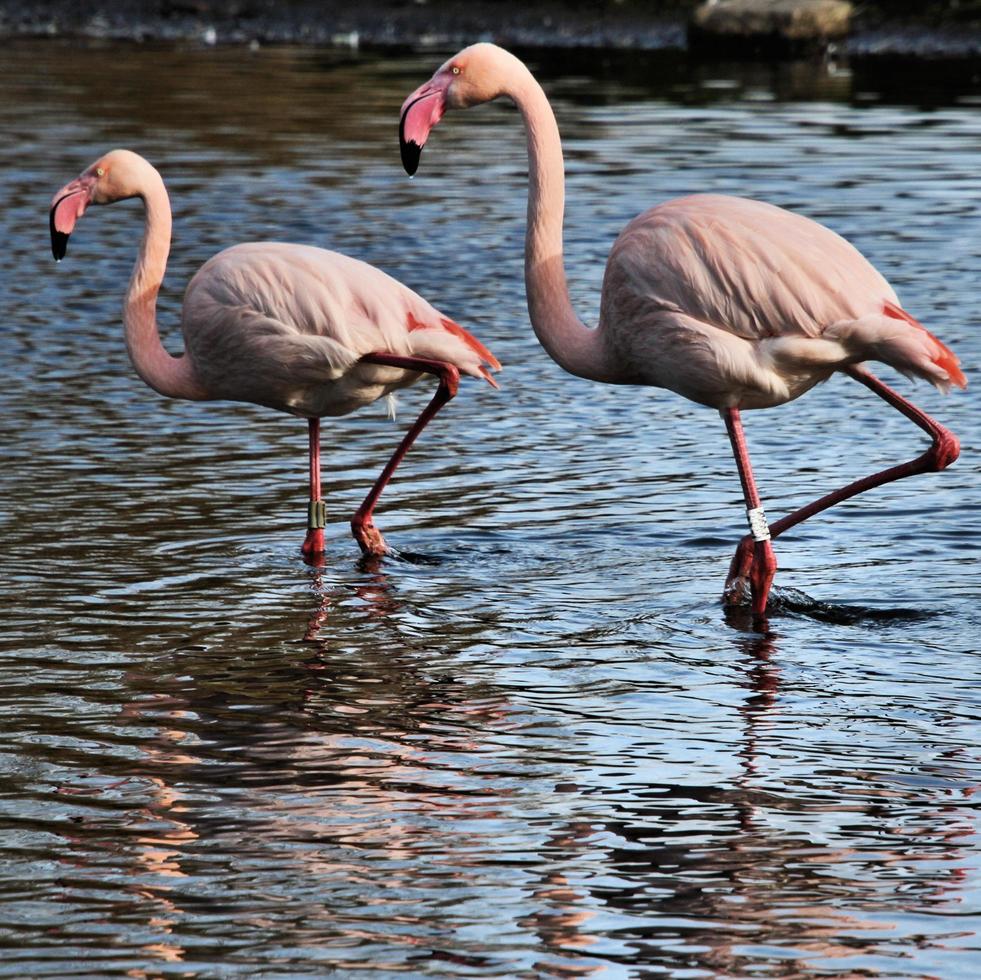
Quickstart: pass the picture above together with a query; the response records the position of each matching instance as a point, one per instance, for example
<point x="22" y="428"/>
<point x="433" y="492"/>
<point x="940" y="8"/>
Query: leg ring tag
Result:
<point x="317" y="515"/>
<point x="757" y="524"/>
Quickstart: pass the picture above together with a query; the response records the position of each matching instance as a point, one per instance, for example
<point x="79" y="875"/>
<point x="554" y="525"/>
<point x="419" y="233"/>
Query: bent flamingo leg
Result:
<point x="762" y="563"/>
<point x="943" y="450"/>
<point x="313" y="546"/>
<point x="362" y="524"/>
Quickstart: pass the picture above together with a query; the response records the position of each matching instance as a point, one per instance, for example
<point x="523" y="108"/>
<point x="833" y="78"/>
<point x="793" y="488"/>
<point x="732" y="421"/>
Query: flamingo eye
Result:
<point x="100" y="172"/>
<point x="455" y="69"/>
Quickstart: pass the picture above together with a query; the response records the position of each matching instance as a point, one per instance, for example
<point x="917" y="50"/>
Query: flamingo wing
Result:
<point x="750" y="268"/>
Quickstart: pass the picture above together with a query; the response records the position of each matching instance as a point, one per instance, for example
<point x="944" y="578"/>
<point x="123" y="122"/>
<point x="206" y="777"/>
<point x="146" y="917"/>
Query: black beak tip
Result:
<point x="411" y="151"/>
<point x="59" y="244"/>
<point x="59" y="240"/>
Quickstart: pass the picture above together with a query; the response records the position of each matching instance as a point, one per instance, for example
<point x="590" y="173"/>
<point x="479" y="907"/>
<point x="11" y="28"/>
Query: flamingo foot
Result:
<point x="750" y="575"/>
<point x="737" y="588"/>
<point x="369" y="538"/>
<point x="313" y="545"/>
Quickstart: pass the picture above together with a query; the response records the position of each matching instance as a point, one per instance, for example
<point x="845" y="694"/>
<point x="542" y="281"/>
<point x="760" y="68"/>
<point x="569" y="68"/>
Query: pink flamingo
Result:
<point x="732" y="303"/>
<point x="291" y="327"/>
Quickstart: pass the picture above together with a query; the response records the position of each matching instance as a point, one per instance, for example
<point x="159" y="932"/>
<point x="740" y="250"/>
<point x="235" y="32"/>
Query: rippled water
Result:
<point x="540" y="748"/>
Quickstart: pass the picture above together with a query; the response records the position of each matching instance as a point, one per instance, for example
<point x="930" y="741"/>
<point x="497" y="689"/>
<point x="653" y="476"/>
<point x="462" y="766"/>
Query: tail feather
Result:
<point x="471" y="341"/>
<point x="896" y="339"/>
<point x="945" y="359"/>
<point x="447" y="340"/>
<point x="488" y="376"/>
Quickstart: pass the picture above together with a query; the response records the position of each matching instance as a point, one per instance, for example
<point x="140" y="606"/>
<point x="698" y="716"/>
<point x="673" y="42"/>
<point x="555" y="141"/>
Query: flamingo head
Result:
<point x="111" y="178"/>
<point x="476" y="74"/>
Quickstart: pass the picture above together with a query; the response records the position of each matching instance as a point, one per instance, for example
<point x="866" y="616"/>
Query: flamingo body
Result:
<point x="732" y="303"/>
<point x="291" y="327"/>
<point x="287" y="326"/>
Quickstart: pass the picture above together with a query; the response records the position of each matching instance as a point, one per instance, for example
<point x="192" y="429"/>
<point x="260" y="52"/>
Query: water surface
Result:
<point x="540" y="748"/>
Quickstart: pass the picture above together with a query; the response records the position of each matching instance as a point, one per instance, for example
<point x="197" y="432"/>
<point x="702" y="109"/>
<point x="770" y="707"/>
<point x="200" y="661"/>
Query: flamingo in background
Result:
<point x="733" y="303"/>
<point x="291" y="327"/>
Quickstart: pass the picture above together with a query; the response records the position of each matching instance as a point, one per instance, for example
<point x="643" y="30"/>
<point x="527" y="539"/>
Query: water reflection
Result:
<point x="347" y="763"/>
<point x="802" y="883"/>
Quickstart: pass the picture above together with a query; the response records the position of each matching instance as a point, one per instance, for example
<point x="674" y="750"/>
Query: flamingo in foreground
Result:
<point x="291" y="327"/>
<point x="733" y="303"/>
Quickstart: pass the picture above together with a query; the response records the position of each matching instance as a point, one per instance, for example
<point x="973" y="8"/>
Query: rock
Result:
<point x="776" y="27"/>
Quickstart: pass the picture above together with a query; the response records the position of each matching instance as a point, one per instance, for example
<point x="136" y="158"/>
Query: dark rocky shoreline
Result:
<point x="953" y="31"/>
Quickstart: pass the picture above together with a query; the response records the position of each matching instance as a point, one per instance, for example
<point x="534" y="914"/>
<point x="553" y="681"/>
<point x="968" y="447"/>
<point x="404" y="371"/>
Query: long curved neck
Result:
<point x="568" y="341"/>
<point x="171" y="376"/>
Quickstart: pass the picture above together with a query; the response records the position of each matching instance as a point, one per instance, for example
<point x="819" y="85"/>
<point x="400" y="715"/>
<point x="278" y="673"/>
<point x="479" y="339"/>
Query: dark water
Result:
<point x="545" y="751"/>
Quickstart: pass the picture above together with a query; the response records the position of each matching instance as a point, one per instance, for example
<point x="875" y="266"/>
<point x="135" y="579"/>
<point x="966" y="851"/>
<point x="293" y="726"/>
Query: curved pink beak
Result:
<point x="420" y="112"/>
<point x="67" y="206"/>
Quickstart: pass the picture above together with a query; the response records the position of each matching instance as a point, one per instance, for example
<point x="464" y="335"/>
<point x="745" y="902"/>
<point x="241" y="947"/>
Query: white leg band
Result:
<point x="757" y="524"/>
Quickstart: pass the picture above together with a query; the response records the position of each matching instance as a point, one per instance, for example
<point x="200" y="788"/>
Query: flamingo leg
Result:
<point x="313" y="546"/>
<point x="943" y="450"/>
<point x="362" y="524"/>
<point x="762" y="564"/>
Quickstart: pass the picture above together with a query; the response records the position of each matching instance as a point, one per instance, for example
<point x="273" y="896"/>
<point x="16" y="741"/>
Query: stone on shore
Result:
<point x="769" y="26"/>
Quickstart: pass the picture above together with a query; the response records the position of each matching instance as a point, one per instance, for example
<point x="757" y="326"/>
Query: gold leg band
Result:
<point x="316" y="515"/>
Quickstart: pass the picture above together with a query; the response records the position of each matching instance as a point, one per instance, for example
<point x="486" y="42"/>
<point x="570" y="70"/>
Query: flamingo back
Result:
<point x="746" y="267"/>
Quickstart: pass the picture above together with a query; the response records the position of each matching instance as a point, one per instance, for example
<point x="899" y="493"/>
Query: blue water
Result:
<point x="539" y="748"/>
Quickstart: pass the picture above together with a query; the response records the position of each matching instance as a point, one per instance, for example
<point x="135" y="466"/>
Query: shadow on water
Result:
<point x="841" y="614"/>
<point x="784" y="601"/>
